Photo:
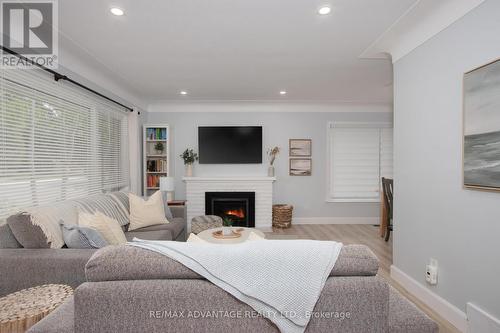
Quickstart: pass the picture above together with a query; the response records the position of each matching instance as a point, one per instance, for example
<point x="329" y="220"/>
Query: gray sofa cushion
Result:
<point x="27" y="234"/>
<point x="25" y="268"/>
<point x="149" y="235"/>
<point x="61" y="320"/>
<point x="356" y="260"/>
<point x="404" y="317"/>
<point x="126" y="306"/>
<point x="7" y="238"/>
<point x="131" y="263"/>
<point x="78" y="237"/>
<point x="175" y="226"/>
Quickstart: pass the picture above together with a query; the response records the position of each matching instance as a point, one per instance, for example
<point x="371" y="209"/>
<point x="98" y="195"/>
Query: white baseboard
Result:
<point x="441" y="306"/>
<point x="336" y="220"/>
<point x="481" y="321"/>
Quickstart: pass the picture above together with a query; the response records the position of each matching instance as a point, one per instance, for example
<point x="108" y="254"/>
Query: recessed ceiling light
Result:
<point x="183" y="92"/>
<point x="324" y="10"/>
<point x="283" y="92"/>
<point x="117" y="11"/>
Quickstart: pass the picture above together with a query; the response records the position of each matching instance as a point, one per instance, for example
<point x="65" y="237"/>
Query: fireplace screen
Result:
<point x="237" y="206"/>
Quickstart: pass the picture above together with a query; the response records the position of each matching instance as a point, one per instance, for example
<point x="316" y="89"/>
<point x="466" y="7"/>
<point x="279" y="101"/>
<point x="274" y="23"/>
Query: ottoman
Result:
<point x="205" y="222"/>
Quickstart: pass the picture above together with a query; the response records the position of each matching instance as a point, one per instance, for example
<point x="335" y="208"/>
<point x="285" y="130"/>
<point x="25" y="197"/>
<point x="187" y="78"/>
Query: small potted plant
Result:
<point x="159" y="147"/>
<point x="271" y="154"/>
<point x="227" y="223"/>
<point x="189" y="157"/>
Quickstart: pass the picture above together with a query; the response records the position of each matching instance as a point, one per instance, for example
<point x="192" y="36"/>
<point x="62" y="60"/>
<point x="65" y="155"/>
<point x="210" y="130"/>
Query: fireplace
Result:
<point x="237" y="206"/>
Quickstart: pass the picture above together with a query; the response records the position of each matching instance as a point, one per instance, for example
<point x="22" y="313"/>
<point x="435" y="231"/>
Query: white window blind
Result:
<point x="359" y="155"/>
<point x="57" y="142"/>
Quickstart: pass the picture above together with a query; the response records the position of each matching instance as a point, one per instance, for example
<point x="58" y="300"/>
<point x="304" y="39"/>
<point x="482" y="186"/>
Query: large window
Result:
<point x="359" y="155"/>
<point x="57" y="142"/>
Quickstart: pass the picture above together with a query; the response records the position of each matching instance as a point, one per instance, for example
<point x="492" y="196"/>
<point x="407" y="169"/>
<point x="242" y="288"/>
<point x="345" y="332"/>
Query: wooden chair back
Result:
<point x="387" y="188"/>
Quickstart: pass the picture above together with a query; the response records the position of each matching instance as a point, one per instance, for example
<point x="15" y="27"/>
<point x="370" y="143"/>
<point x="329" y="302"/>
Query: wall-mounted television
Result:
<point x="230" y="144"/>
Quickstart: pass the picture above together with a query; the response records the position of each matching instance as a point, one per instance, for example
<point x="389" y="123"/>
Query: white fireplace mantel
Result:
<point x="262" y="186"/>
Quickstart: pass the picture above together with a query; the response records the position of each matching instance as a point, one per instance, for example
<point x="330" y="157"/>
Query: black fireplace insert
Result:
<point x="237" y="206"/>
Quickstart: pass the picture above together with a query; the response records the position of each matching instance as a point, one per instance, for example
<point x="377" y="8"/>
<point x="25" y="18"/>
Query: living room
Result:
<point x="324" y="166"/>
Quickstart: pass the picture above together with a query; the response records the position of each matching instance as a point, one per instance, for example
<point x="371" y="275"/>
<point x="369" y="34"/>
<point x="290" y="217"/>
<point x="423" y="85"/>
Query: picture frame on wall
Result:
<point x="300" y="147"/>
<point x="481" y="127"/>
<point x="300" y="167"/>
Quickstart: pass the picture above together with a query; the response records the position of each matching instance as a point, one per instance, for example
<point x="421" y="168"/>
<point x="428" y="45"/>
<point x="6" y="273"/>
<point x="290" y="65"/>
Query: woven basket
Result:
<point x="282" y="216"/>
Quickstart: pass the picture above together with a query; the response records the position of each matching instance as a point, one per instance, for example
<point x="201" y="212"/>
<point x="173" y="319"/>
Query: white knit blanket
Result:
<point x="280" y="279"/>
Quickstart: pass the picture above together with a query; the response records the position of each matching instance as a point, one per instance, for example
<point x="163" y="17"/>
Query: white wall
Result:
<point x="307" y="194"/>
<point x="79" y="66"/>
<point x="434" y="216"/>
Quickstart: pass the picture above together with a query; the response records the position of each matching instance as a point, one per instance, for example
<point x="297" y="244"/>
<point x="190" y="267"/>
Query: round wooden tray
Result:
<point x="234" y="234"/>
<point x="22" y="309"/>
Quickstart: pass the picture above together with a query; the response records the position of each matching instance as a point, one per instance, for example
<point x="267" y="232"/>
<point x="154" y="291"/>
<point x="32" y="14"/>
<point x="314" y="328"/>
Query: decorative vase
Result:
<point x="270" y="171"/>
<point x="189" y="170"/>
<point x="226" y="231"/>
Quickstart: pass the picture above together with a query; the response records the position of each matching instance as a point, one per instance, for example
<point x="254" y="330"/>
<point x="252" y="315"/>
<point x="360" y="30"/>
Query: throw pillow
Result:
<point x="29" y="235"/>
<point x="144" y="213"/>
<point x="195" y="239"/>
<point x="78" y="237"/>
<point x="7" y="238"/>
<point x="107" y="227"/>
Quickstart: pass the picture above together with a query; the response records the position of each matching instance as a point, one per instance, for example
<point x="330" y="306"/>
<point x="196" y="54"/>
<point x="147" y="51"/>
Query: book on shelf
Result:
<point x="157" y="165"/>
<point x="156" y="134"/>
<point x="153" y="180"/>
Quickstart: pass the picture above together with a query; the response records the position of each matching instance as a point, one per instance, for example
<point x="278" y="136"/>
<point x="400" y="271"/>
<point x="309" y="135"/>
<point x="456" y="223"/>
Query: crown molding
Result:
<point x="267" y="106"/>
<point x="421" y="22"/>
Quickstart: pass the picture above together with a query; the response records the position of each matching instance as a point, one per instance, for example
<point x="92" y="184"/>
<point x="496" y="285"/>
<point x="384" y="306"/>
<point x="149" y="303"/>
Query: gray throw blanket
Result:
<point x="281" y="280"/>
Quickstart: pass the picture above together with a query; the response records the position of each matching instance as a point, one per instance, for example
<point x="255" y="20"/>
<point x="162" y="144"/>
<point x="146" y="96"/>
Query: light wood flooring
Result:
<point x="367" y="235"/>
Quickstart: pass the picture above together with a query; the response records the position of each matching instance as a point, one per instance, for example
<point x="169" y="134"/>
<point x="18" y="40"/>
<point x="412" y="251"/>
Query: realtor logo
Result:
<point x="29" y="28"/>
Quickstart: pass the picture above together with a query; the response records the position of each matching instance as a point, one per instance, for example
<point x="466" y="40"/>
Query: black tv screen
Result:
<point x="230" y="144"/>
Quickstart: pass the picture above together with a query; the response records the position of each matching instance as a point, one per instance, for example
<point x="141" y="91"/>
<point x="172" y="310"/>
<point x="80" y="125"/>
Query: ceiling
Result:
<point x="236" y="50"/>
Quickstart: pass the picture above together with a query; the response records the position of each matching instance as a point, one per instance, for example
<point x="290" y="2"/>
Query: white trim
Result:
<point x="422" y="21"/>
<point x="267" y="107"/>
<point x="481" y="321"/>
<point x="336" y="220"/>
<point x="360" y="124"/>
<point x="441" y="306"/>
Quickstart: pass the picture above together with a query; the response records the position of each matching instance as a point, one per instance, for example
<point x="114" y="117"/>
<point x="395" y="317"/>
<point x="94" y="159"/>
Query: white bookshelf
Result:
<point x="155" y="164"/>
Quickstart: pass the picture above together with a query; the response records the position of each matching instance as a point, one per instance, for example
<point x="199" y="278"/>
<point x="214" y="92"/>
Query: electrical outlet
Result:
<point x="431" y="272"/>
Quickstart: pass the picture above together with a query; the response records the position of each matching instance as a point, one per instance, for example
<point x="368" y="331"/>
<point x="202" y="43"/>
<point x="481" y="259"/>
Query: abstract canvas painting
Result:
<point x="482" y="127"/>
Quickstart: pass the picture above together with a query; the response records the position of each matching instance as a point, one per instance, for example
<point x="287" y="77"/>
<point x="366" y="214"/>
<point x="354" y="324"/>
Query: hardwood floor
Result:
<point x="369" y="236"/>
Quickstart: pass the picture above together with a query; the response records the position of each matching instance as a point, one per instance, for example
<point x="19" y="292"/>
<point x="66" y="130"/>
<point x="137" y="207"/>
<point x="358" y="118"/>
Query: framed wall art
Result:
<point x="481" y="127"/>
<point x="300" y="147"/>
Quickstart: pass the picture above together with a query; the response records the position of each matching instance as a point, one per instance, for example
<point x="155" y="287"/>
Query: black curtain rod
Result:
<point x="59" y="76"/>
